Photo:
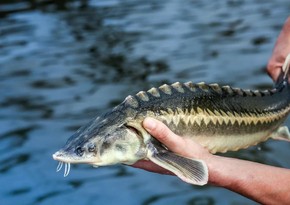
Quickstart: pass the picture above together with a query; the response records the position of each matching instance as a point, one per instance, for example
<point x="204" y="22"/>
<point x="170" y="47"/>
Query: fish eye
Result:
<point x="91" y="147"/>
<point x="79" y="151"/>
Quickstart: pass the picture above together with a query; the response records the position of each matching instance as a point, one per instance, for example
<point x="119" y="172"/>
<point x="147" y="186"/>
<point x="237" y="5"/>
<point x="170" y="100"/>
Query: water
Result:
<point x="62" y="64"/>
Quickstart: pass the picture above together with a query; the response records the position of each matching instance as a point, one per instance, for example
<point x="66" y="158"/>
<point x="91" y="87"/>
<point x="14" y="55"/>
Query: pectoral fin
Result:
<point x="282" y="133"/>
<point x="192" y="171"/>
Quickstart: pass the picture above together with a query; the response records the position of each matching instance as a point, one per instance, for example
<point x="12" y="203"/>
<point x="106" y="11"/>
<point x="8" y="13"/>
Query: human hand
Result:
<point x="179" y="145"/>
<point x="253" y="180"/>
<point x="280" y="52"/>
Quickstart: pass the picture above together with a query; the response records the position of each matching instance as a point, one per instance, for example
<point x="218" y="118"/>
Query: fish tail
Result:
<point x="283" y="77"/>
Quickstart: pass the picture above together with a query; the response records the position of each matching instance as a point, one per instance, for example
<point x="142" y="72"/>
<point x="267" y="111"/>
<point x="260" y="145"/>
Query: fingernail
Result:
<point x="149" y="123"/>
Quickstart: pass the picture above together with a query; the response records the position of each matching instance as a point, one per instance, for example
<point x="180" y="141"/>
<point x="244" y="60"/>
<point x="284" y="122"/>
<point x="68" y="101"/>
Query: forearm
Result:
<point x="262" y="183"/>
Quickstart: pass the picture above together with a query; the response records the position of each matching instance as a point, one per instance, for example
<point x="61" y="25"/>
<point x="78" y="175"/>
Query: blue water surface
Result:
<point x="63" y="63"/>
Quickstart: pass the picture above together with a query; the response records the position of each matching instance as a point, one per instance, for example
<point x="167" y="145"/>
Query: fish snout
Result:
<point x="58" y="156"/>
<point x="66" y="157"/>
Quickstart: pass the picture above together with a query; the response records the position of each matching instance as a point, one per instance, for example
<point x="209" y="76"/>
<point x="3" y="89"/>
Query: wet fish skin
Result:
<point x="220" y="118"/>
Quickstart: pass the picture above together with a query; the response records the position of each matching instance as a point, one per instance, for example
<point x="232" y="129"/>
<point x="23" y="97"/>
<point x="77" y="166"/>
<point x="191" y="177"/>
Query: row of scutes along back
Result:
<point x="207" y="115"/>
<point x="181" y="88"/>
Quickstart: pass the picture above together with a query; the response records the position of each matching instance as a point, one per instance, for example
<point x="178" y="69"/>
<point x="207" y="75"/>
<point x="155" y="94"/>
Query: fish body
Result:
<point x="220" y="118"/>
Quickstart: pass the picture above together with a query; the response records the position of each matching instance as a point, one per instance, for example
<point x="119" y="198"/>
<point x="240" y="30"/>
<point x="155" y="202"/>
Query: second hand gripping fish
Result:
<point x="220" y="118"/>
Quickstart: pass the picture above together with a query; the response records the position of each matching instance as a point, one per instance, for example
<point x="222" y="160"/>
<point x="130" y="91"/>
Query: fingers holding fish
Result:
<point x="163" y="134"/>
<point x="177" y="144"/>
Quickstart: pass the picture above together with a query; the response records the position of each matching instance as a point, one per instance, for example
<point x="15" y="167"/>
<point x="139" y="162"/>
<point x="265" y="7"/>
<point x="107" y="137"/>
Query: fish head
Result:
<point x="104" y="141"/>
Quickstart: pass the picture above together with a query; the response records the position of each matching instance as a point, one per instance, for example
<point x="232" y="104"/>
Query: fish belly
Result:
<point x="224" y="143"/>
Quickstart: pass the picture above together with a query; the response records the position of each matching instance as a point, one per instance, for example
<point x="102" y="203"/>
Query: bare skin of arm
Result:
<point x="261" y="183"/>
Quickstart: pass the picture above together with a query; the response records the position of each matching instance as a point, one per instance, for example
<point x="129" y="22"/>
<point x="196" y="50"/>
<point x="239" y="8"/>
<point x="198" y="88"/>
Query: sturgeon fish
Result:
<point x="220" y="118"/>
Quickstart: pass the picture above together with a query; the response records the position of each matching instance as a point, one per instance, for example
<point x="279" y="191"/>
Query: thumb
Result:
<point x="163" y="134"/>
<point x="183" y="146"/>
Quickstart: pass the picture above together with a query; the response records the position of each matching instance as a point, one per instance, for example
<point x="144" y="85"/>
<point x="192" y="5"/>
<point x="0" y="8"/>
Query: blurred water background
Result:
<point x="63" y="62"/>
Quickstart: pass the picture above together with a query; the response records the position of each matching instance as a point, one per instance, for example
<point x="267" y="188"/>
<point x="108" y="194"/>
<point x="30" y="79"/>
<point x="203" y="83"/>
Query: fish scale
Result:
<point x="254" y="114"/>
<point x="218" y="112"/>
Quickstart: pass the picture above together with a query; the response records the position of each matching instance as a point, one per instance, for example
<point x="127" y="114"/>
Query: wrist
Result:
<point x="220" y="170"/>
